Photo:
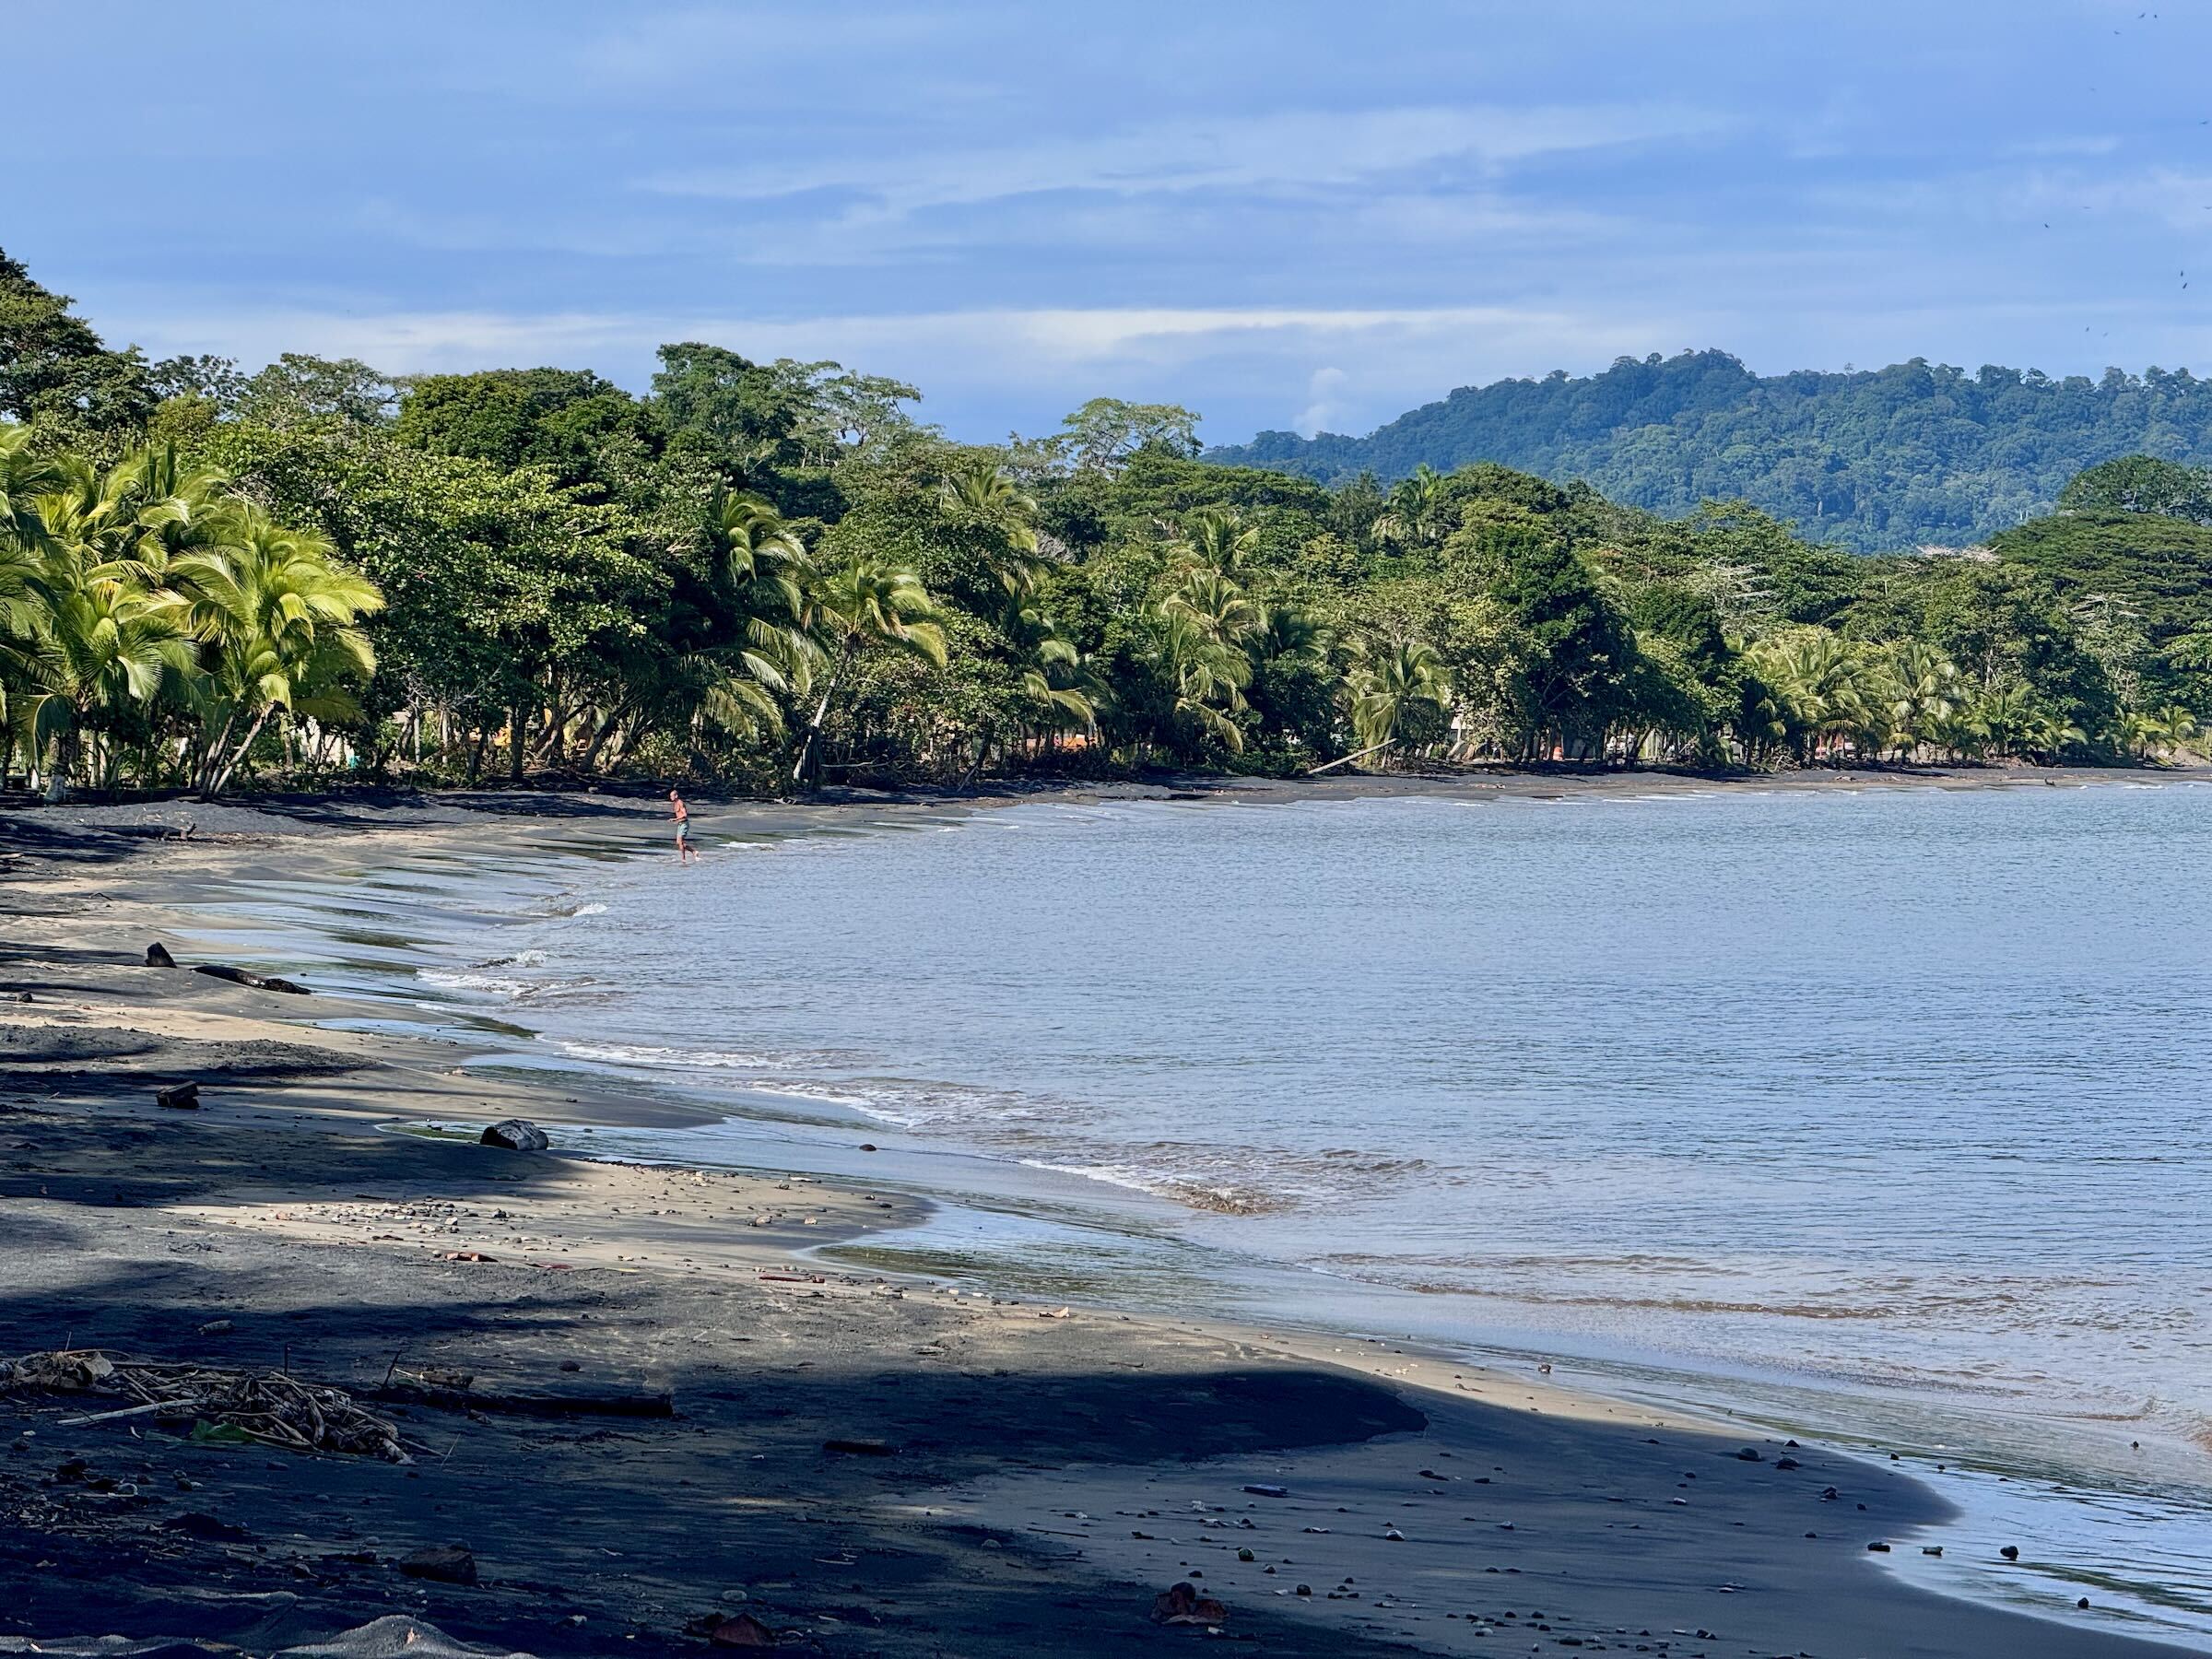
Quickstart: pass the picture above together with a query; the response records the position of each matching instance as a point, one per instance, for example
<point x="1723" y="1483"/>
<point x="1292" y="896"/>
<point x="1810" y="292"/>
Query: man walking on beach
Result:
<point x="685" y="852"/>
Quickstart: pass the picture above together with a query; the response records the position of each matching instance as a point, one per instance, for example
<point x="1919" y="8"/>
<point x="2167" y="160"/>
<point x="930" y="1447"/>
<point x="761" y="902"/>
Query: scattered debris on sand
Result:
<point x="223" y="1405"/>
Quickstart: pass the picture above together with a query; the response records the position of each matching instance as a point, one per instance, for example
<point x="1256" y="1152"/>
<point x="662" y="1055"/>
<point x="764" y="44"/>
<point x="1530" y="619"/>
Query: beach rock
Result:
<point x="1787" y="1462"/>
<point x="742" y="1631"/>
<point x="1749" y="1455"/>
<point x="1182" y="1605"/>
<point x="2011" y="1552"/>
<point x="216" y="1327"/>
<point x="184" y="1097"/>
<point x="1269" y="1491"/>
<point x="445" y="1563"/>
<point x="861" y="1448"/>
<point x="157" y="956"/>
<point x="196" y="1525"/>
<point x="2083" y="1604"/>
<point x="515" y="1135"/>
<point x="1879" y="1548"/>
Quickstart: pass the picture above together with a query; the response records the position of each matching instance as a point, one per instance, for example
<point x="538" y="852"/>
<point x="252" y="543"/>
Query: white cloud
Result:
<point x="1321" y="393"/>
<point x="1297" y="149"/>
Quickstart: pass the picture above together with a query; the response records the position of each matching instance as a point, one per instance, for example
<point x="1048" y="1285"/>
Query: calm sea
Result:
<point x="1879" y="1113"/>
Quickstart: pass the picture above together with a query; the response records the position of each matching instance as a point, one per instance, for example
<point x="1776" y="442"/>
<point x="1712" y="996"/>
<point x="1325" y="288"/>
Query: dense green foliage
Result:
<point x="774" y="575"/>
<point x="1888" y="460"/>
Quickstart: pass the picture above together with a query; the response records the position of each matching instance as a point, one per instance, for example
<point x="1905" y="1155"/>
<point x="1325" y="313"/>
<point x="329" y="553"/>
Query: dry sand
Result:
<point x="1030" y="1478"/>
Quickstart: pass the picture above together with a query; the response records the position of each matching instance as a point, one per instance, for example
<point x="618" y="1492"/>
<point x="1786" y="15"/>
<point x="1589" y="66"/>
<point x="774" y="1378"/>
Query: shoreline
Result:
<point x="86" y="894"/>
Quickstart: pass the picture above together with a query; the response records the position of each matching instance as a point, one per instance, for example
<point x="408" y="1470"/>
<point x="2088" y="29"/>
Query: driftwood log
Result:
<point x="254" y="981"/>
<point x="443" y="1398"/>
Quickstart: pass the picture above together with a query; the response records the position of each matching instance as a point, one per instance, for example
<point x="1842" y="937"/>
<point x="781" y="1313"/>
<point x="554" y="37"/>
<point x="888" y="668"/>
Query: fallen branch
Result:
<point x="1331" y="766"/>
<point x="175" y="1408"/>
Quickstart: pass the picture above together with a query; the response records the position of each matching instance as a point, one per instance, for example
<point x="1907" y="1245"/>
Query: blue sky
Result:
<point x="1286" y="215"/>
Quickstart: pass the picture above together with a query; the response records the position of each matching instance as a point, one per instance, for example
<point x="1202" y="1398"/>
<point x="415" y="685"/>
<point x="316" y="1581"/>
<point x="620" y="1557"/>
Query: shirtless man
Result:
<point x="685" y="851"/>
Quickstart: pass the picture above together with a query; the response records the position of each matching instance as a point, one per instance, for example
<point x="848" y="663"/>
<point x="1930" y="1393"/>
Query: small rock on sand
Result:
<point x="446" y="1563"/>
<point x="743" y="1631"/>
<point x="515" y="1135"/>
<point x="157" y="956"/>
<point x="1182" y="1605"/>
<point x="184" y="1097"/>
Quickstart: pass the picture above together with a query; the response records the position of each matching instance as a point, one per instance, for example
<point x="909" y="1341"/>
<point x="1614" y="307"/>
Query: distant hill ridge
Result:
<point x="1876" y="460"/>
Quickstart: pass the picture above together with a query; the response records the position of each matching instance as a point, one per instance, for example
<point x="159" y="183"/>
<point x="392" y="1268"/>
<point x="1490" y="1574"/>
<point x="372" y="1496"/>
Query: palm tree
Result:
<point x="1206" y="676"/>
<point x="1215" y="540"/>
<point x="1392" y="685"/>
<point x="982" y="490"/>
<point x="24" y="543"/>
<point x="2046" y="736"/>
<point x="1051" y="674"/>
<point x="1419" y="515"/>
<point x="98" y="647"/>
<point x="277" y="619"/>
<point x="864" y="603"/>
<point x="172" y="509"/>
<point x="983" y="486"/>
<point x="1821" y="684"/>
<point x="759" y="569"/>
<point x="2005" y="715"/>
<point x="2157" y="733"/>
<point x="1924" y="692"/>
<point x="1216" y="605"/>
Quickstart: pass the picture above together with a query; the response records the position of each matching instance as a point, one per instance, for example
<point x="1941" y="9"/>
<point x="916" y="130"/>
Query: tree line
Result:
<point x="776" y="575"/>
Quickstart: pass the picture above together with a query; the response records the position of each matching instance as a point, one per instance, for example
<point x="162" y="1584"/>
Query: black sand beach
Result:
<point x="860" y="1465"/>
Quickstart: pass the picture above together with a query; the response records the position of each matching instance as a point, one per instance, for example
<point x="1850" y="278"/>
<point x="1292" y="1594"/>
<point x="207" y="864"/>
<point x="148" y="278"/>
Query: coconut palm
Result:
<point x="1054" y="679"/>
<point x="277" y="619"/>
<point x="755" y="642"/>
<point x="1924" y="692"/>
<point x="1390" y="684"/>
<point x="1215" y="540"/>
<point x="98" y="647"/>
<point x="2046" y="736"/>
<point x="982" y="490"/>
<point x="2005" y="715"/>
<point x="863" y="604"/>
<point x="1217" y="605"/>
<point x="985" y="488"/>
<point x="1419" y="515"/>
<point x="172" y="509"/>
<point x="2156" y="733"/>
<point x="1205" y="674"/>
<point x="1821" y="684"/>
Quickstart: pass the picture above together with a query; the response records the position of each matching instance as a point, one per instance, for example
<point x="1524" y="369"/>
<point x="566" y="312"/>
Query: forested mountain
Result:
<point x="1879" y="461"/>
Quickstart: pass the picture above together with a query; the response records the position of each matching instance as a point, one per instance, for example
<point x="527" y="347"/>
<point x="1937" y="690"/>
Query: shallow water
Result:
<point x="1877" y="1112"/>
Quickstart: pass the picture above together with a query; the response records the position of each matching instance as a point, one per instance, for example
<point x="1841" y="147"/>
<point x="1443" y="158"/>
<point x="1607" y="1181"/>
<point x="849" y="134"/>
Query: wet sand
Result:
<point x="1024" y="1478"/>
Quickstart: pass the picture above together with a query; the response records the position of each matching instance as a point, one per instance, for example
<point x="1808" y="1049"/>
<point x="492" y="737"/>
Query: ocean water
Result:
<point x="1881" y="1112"/>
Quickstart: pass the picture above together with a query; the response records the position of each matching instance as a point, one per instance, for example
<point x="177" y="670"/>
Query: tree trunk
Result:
<point x="599" y="737"/>
<point x="517" y="732"/>
<point x="822" y="712"/>
<point x="222" y="779"/>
